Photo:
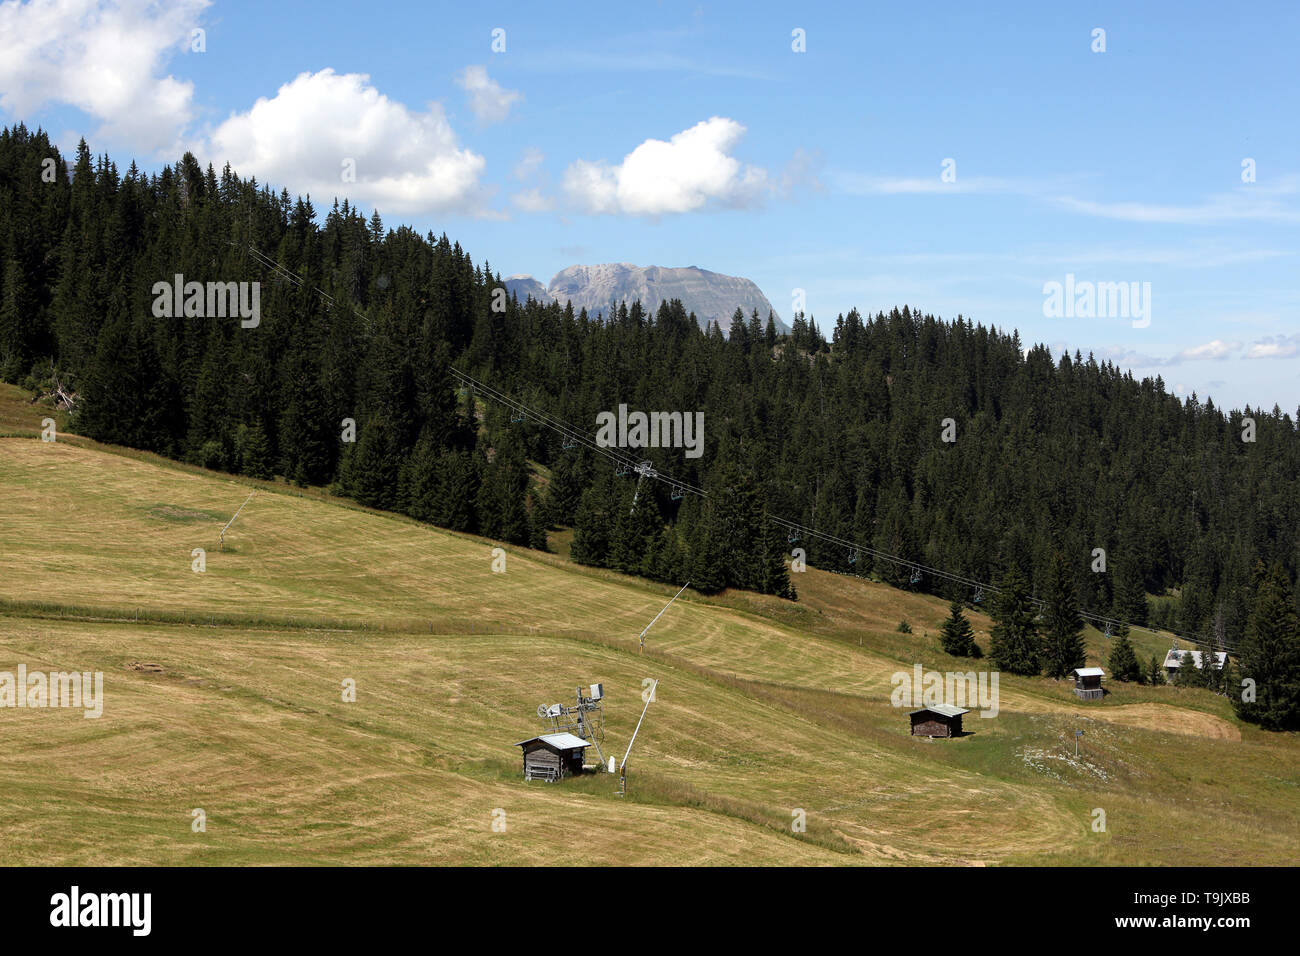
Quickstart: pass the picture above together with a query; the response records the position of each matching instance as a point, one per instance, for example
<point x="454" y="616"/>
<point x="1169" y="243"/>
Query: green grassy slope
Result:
<point x="764" y="709"/>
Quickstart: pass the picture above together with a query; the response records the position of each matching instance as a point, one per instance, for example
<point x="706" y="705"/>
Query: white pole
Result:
<point x="648" y="699"/>
<point x="659" y="615"/>
<point x="232" y="520"/>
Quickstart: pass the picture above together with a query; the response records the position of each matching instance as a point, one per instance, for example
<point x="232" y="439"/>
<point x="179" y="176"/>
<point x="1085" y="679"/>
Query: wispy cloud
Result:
<point x="1275" y="346"/>
<point x="860" y="184"/>
<point x="1256" y="202"/>
<point x="651" y="61"/>
<point x="488" y="99"/>
<point x="1217" y="350"/>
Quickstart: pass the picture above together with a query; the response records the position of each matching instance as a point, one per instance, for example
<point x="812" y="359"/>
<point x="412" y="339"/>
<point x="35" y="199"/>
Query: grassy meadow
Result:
<point x="223" y="693"/>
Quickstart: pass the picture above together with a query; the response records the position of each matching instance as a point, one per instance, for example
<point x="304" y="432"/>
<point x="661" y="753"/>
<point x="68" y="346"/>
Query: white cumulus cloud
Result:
<point x="489" y="100"/>
<point x="106" y="59"/>
<point x="686" y="173"/>
<point x="322" y="126"/>
<point x="1218" y="349"/>
<point x="1275" y="346"/>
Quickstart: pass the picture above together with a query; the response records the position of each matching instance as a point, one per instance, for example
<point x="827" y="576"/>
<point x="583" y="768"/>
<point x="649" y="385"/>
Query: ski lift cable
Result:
<point x="564" y="428"/>
<point x="795" y="527"/>
<point x="627" y="464"/>
<point x="576" y="435"/>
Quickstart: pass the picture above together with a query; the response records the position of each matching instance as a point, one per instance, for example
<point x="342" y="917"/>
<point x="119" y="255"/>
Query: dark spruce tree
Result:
<point x="1123" y="660"/>
<point x="1269" y="656"/>
<point x="956" y="636"/>
<point x="1062" y="644"/>
<point x="1188" y="674"/>
<point x="1130" y="600"/>
<point x="1014" y="643"/>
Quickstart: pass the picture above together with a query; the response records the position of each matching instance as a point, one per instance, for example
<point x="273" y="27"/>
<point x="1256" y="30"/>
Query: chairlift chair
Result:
<point x="979" y="596"/>
<point x="916" y="575"/>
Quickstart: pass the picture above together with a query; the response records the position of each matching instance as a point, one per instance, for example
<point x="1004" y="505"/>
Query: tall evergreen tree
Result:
<point x="1123" y="660"/>
<point x="1270" y="654"/>
<point x="1130" y="603"/>
<point x="1014" y="643"/>
<point x="1063" y="648"/>
<point x="956" y="636"/>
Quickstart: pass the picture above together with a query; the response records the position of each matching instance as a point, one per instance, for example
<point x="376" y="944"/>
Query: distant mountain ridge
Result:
<point x="712" y="296"/>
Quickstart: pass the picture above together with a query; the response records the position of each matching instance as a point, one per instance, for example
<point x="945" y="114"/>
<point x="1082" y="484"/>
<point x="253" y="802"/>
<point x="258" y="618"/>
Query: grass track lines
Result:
<point x="764" y="707"/>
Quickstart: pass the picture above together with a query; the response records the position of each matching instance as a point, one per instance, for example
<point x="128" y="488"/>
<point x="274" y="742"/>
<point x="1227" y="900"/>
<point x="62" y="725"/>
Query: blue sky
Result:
<point x="693" y="134"/>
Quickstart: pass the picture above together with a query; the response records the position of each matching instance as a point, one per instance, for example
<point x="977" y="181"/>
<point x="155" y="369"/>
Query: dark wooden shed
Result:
<point x="937" y="720"/>
<point x="1087" y="683"/>
<point x="553" y="756"/>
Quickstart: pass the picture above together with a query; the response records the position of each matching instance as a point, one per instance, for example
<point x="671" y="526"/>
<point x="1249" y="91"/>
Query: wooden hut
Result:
<point x="937" y="720"/>
<point x="553" y="757"/>
<point x="1087" y="682"/>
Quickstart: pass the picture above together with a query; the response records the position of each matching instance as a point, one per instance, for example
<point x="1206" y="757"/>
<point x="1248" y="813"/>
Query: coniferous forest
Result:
<point x="838" y="427"/>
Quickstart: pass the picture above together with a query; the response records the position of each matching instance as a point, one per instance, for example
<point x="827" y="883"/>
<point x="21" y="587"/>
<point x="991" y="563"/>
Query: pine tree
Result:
<point x="372" y="466"/>
<point x="501" y="501"/>
<point x="1123" y="660"/>
<point x="1211" y="674"/>
<point x="1187" y="674"/>
<point x="1130" y="603"/>
<point x="956" y="636"/>
<point x="253" y="452"/>
<point x="459" y="477"/>
<point x="776" y="575"/>
<point x="636" y="531"/>
<point x="592" y="527"/>
<point x="1014" y="645"/>
<point x="1063" y="648"/>
<point x="1156" y="675"/>
<point x="16" y="307"/>
<point x="709" y="564"/>
<point x="1269" y="655"/>
<point x="538" y="523"/>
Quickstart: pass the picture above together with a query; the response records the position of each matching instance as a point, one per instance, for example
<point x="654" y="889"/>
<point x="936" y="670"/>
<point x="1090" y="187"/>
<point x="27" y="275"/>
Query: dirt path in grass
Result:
<point x="1176" y="720"/>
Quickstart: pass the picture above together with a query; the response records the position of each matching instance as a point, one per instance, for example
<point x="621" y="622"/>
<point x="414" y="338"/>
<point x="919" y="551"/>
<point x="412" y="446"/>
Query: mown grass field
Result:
<point x="764" y="708"/>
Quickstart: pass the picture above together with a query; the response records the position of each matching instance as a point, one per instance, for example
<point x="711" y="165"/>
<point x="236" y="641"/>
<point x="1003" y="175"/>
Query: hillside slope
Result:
<point x="764" y="709"/>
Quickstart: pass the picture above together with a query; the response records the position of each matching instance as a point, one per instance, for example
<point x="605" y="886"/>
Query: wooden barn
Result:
<point x="1087" y="683"/>
<point x="937" y="720"/>
<point x="553" y="757"/>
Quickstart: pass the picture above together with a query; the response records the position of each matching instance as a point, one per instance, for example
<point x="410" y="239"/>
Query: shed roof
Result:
<point x="564" y="741"/>
<point x="1089" y="672"/>
<point x="1174" y="658"/>
<point x="947" y="710"/>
